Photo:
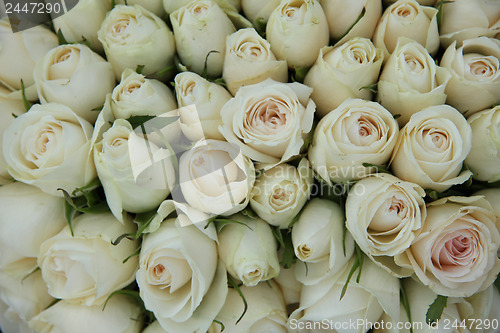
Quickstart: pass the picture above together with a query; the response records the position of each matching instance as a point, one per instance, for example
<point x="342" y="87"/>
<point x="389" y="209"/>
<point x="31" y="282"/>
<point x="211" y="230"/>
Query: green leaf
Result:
<point x="30" y="274"/>
<point x="158" y="124"/>
<point x="433" y="194"/>
<point x="309" y="139"/>
<point x="139" y="69"/>
<point x="288" y="256"/>
<point x="344" y="234"/>
<point x="204" y="73"/>
<point x="260" y="26"/>
<point x="358" y="264"/>
<point x="234" y="285"/>
<point x="134" y="294"/>
<point x="221" y="82"/>
<point x="372" y="87"/>
<point x="14" y="115"/>
<point x="351" y="272"/>
<point x="294" y="220"/>
<point x="90" y="186"/>
<point x="363" y="12"/>
<point x="378" y="168"/>
<point x="300" y="73"/>
<point x="128" y="235"/>
<point x="439" y="15"/>
<point x="435" y="310"/>
<point x="69" y="213"/>
<point x="220" y="223"/>
<point x="396" y="116"/>
<point x="249" y="212"/>
<point x="279" y="237"/>
<point x="60" y="37"/>
<point x="222" y="327"/>
<point x="406" y="304"/>
<point x="27" y="104"/>
<point x="360" y="258"/>
<point x="135" y="253"/>
<point x="113" y="4"/>
<point x="160" y="73"/>
<point x="85" y="42"/>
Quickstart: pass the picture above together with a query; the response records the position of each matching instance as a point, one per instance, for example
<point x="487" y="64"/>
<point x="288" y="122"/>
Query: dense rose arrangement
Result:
<point x="251" y="166"/>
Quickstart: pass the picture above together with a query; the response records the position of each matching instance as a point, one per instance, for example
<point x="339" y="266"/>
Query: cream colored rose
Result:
<point x="456" y="253"/>
<point x="466" y="312"/>
<point x="347" y="69"/>
<point x="356" y="132"/>
<point x="49" y="147"/>
<point x="133" y="36"/>
<point x="137" y="95"/>
<point x="172" y="5"/>
<point x="384" y="215"/>
<point x="493" y="197"/>
<point x="269" y="121"/>
<point x="421" y="2"/>
<point x="200" y="101"/>
<point x="431" y="148"/>
<point x="24" y="297"/>
<point x="280" y="193"/>
<point x="83" y="21"/>
<point x="411" y="81"/>
<point x="484" y="157"/>
<point x="19" y="53"/>
<point x="407" y="18"/>
<point x="8" y="108"/>
<point x="154" y="6"/>
<point x="475" y="74"/>
<point x="74" y="75"/>
<point x="136" y="175"/>
<point x="290" y="28"/>
<point x="249" y="250"/>
<point x="483" y="19"/>
<point x="216" y="178"/>
<point x="266" y="311"/>
<point x="347" y="20"/>
<point x="122" y="314"/>
<point x="179" y="277"/>
<point x="318" y="241"/>
<point x="289" y="285"/>
<point x="86" y="267"/>
<point x="249" y="60"/>
<point x="29" y="217"/>
<point x="259" y="10"/>
<point x="377" y="292"/>
<point x="200" y="30"/>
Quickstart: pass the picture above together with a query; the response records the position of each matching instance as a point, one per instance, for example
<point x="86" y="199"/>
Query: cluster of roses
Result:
<point x="215" y="206"/>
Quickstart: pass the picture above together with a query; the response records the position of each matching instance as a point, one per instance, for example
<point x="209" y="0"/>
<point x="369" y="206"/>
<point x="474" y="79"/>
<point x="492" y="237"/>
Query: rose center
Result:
<point x="414" y="64"/>
<point x="436" y="140"/>
<point x="406" y="11"/>
<point x="363" y="132"/>
<point x="480" y="68"/>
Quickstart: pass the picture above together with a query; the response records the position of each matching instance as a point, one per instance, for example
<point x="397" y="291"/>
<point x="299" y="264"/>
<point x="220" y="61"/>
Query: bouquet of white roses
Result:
<point x="250" y="166"/>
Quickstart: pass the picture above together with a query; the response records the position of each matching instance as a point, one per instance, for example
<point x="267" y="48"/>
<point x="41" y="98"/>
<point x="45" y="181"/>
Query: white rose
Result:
<point x="475" y="74"/>
<point x="137" y="95"/>
<point x="456" y="253"/>
<point x="120" y="152"/>
<point x="384" y="215"/>
<point x="86" y="268"/>
<point x="346" y="69"/>
<point x="121" y="314"/>
<point x="483" y="19"/>
<point x="289" y="285"/>
<point x="29" y="217"/>
<point x="249" y="60"/>
<point x="266" y="311"/>
<point x="356" y="18"/>
<point x="83" y="21"/>
<point x="258" y="10"/>
<point x="154" y="6"/>
<point x="249" y="250"/>
<point x="172" y="5"/>
<point x="133" y="36"/>
<point x="356" y="132"/>
<point x="318" y="242"/>
<point x="411" y="81"/>
<point x="203" y="119"/>
<point x="484" y="157"/>
<point x="290" y="28"/>
<point x="24" y="296"/>
<point x="74" y="75"/>
<point x="179" y="278"/>
<point x="430" y="3"/>
<point x="215" y="177"/>
<point x="377" y="292"/>
<point x="269" y="121"/>
<point x="407" y="18"/>
<point x="200" y="30"/>
<point x="19" y="53"/>
<point x="9" y="110"/>
<point x="280" y="193"/>
<point x="49" y="147"/>
<point x="493" y="197"/>
<point x="431" y="148"/>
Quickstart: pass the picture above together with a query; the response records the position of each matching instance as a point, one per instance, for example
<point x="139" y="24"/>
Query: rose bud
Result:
<point x="172" y="5"/>
<point x="347" y="69"/>
<point x="290" y="28"/>
<point x="154" y="6"/>
<point x="347" y="20"/>
<point x="249" y="250"/>
<point x="74" y="75"/>
<point x="432" y="147"/>
<point x="200" y="30"/>
<point x="258" y="10"/>
<point x="407" y="18"/>
<point x="484" y="157"/>
<point x="411" y="81"/>
<point x="355" y="133"/>
<point x="475" y="74"/>
<point x="133" y="36"/>
<point x="8" y="109"/>
<point x="249" y="60"/>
